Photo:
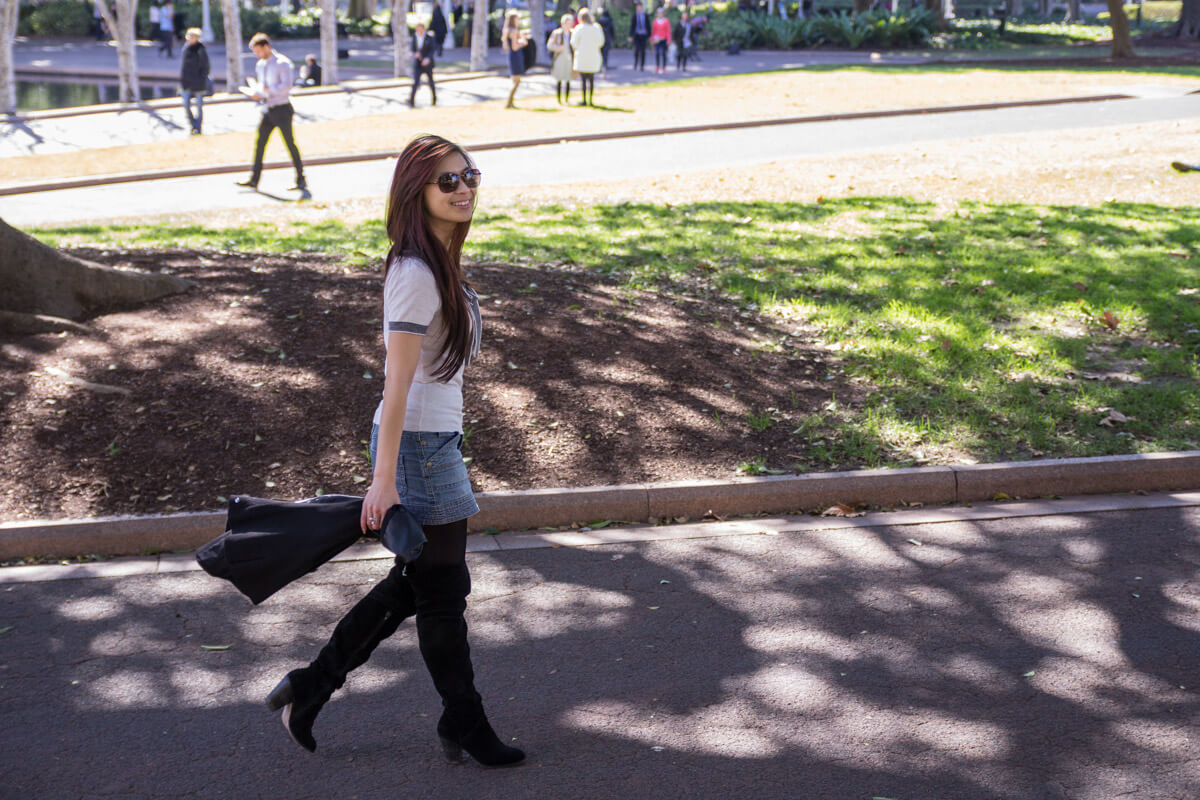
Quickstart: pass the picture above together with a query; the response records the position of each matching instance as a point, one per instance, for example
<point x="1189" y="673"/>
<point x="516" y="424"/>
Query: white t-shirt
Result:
<point x="411" y="304"/>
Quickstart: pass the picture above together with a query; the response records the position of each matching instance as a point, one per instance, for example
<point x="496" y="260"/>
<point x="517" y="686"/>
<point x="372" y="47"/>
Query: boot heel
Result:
<point x="452" y="750"/>
<point x="282" y="695"/>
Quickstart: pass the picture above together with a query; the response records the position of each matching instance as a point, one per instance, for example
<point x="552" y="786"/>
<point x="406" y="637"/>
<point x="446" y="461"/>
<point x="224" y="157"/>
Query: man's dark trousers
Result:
<point x="420" y="69"/>
<point x="639" y="50"/>
<point x="277" y="117"/>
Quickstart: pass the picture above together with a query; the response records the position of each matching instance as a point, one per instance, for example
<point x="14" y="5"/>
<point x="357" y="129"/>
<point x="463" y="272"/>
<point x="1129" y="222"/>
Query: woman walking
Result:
<point x="660" y="37"/>
<point x="194" y="78"/>
<point x="561" y="68"/>
<point x="431" y="332"/>
<point x="513" y="42"/>
<point x="586" y="41"/>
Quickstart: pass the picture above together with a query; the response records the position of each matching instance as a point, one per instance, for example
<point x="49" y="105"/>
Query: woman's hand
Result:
<point x="380" y="498"/>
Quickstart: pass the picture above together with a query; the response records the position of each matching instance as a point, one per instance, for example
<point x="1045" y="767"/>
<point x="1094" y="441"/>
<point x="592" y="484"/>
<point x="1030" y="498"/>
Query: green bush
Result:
<point x="725" y="30"/>
<point x="60" y="18"/>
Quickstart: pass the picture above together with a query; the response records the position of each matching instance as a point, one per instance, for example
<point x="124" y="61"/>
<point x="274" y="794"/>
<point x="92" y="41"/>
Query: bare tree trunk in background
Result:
<point x="859" y="6"/>
<point x="1073" y="14"/>
<point x="537" y="26"/>
<point x="233" y="44"/>
<point x="360" y="9"/>
<point x="119" y="17"/>
<point x="1189" y="20"/>
<point x="1122" y="42"/>
<point x="8" y="33"/>
<point x="943" y="11"/>
<point x="1015" y="8"/>
<point x="403" y="49"/>
<point x="479" y="36"/>
<point x="329" y="45"/>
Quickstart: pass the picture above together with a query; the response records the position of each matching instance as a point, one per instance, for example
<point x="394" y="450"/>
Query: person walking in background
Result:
<point x="310" y="73"/>
<point x="639" y="34"/>
<point x="153" y="15"/>
<point x="431" y="329"/>
<point x="660" y="36"/>
<point x="272" y="88"/>
<point x="438" y="27"/>
<point x="194" y="78"/>
<point x="562" y="67"/>
<point x="423" y="48"/>
<point x="166" y="29"/>
<point x="683" y="41"/>
<point x="605" y="21"/>
<point x="586" y="41"/>
<point x="512" y="42"/>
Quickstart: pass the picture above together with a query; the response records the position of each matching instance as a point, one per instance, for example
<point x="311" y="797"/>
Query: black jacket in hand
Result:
<point x="267" y="544"/>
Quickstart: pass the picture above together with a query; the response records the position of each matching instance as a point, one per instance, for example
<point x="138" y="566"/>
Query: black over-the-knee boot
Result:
<point x="441" y="593"/>
<point x="303" y="692"/>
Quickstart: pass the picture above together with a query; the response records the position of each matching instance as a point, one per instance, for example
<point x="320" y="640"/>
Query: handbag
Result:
<point x="209" y="89"/>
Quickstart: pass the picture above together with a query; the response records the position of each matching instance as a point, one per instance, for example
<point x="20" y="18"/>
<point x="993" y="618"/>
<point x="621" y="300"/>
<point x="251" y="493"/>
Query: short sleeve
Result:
<point x="410" y="297"/>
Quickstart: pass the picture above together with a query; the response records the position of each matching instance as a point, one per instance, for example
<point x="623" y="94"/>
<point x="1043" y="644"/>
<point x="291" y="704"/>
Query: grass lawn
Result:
<point x="981" y="333"/>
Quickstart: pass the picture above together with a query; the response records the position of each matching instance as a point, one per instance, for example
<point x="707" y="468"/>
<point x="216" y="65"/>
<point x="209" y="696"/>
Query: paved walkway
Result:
<point x="1011" y="659"/>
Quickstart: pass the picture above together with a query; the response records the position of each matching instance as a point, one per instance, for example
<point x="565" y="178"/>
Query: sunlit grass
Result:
<point x="986" y="331"/>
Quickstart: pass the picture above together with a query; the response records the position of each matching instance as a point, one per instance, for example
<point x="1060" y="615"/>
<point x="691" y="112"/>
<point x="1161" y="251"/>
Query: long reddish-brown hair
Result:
<point x="409" y="231"/>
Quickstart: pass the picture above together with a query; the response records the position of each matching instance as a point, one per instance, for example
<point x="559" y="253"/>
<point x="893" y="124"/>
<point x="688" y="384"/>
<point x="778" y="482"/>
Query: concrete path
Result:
<point x="1011" y="659"/>
<point x="601" y="160"/>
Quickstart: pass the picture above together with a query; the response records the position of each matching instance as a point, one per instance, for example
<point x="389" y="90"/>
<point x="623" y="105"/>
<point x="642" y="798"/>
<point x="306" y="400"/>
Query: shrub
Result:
<point x="60" y="18"/>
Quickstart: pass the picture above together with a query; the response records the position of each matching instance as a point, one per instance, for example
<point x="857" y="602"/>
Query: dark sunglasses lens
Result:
<point x="448" y="182"/>
<point x="471" y="177"/>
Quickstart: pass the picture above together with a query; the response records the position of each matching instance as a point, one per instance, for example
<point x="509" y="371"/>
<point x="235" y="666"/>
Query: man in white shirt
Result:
<point x="273" y="89"/>
<point x="423" y="48"/>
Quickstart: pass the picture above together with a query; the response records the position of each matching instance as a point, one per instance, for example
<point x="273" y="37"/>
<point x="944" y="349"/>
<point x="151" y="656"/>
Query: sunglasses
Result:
<point x="448" y="181"/>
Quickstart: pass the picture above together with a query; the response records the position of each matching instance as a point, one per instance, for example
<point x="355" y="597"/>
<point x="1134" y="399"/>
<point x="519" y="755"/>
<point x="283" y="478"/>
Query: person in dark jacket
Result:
<point x="605" y="21"/>
<point x="194" y="78"/>
<point x="424" y="45"/>
<point x="639" y="34"/>
<point x="684" y="38"/>
<point x="438" y="27"/>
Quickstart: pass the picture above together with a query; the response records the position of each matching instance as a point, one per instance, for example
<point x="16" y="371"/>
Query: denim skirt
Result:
<point x="431" y="477"/>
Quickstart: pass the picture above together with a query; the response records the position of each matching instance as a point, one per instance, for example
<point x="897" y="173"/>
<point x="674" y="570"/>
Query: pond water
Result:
<point x="43" y="95"/>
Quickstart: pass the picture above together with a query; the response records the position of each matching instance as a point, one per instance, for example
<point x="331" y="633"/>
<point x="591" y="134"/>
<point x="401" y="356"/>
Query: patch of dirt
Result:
<point x="263" y="380"/>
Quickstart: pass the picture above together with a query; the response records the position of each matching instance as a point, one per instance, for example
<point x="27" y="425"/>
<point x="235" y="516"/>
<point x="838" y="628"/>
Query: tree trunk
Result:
<point x="1122" y="42"/>
<point x="233" y="44"/>
<point x="403" y="49"/>
<point x="119" y="17"/>
<point x="537" y="26"/>
<point x="329" y="45"/>
<point x="37" y="281"/>
<point x="479" y="36"/>
<point x="1072" y="11"/>
<point x="1015" y="7"/>
<point x="360" y="9"/>
<point x="1189" y="19"/>
<point x="942" y="11"/>
<point x="8" y="34"/>
<point x="860" y="6"/>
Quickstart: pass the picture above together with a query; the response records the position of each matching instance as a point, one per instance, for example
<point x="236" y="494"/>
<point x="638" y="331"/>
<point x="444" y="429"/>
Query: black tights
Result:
<point x="588" y="83"/>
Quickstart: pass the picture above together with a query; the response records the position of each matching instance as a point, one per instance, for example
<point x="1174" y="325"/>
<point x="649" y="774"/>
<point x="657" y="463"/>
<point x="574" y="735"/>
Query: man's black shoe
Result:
<point x="249" y="183"/>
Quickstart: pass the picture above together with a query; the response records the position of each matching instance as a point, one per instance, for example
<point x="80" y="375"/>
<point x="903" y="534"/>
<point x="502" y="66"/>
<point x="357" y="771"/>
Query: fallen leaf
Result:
<point x="1112" y="418"/>
<point x="1001" y="496"/>
<point x="1109" y="320"/>
<point x="215" y="646"/>
<point x="6" y="629"/>
<point x="1080" y="286"/>
<point x="916" y="542"/>
<point x="841" y="510"/>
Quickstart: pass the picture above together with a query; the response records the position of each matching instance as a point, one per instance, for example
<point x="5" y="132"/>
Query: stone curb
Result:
<point x="220" y="169"/>
<point x="784" y="494"/>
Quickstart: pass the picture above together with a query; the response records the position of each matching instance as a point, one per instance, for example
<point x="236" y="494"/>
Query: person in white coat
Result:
<point x="562" y="68"/>
<point x="586" y="41"/>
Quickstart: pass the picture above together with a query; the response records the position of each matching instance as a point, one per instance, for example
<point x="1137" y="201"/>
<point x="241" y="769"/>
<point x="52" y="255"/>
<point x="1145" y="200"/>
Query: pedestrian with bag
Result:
<point x="195" y="81"/>
<point x="684" y="41"/>
<point x="605" y="21"/>
<point x="272" y="88"/>
<point x="432" y="329"/>
<point x="166" y="29"/>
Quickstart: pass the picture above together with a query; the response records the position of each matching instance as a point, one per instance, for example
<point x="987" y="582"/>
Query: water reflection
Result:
<point x="42" y="95"/>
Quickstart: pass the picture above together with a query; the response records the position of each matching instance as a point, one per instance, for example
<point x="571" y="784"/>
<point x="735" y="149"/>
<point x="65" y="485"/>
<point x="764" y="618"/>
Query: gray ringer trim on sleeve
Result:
<point x="408" y="327"/>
